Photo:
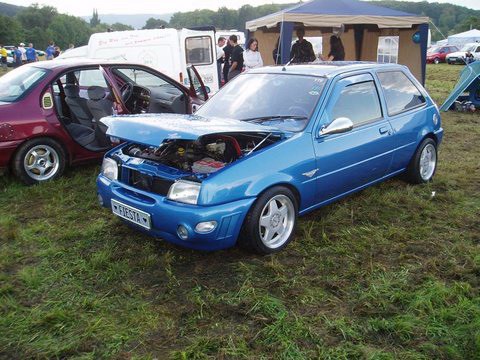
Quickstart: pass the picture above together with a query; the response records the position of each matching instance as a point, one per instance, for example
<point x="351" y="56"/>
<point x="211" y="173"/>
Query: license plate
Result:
<point x="131" y="214"/>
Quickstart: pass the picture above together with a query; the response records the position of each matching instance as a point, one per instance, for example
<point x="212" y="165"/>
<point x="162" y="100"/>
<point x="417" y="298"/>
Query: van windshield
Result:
<point x="17" y="83"/>
<point x="284" y="101"/>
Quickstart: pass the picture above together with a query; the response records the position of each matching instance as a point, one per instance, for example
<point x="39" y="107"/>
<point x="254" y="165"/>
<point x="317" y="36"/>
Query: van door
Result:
<point x="198" y="48"/>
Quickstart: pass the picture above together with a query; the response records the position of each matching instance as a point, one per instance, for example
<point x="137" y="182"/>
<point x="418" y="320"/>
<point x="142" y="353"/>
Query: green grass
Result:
<point x="389" y="273"/>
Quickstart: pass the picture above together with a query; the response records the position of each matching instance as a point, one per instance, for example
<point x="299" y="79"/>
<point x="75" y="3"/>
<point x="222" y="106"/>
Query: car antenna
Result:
<point x="285" y="66"/>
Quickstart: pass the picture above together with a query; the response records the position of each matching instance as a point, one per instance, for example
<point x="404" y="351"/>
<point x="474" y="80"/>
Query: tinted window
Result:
<point x="17" y="83"/>
<point x="199" y="50"/>
<point x="400" y="93"/>
<point x="359" y="102"/>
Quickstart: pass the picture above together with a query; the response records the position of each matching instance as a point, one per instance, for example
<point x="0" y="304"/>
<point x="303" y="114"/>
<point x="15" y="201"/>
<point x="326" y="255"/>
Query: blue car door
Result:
<point x="353" y="159"/>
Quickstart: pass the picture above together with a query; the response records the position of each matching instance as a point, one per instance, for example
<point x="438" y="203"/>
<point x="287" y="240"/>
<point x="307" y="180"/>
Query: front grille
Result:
<point x="149" y="183"/>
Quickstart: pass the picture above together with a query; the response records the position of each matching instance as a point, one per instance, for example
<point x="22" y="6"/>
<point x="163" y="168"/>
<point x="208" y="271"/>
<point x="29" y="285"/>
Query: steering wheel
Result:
<point x="126" y="90"/>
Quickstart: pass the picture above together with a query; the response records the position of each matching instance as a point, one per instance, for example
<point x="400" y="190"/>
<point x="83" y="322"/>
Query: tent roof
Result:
<point x="337" y="12"/>
<point x="466" y="34"/>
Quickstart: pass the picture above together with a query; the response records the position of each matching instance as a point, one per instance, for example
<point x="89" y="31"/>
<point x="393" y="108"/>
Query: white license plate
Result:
<point x="131" y="214"/>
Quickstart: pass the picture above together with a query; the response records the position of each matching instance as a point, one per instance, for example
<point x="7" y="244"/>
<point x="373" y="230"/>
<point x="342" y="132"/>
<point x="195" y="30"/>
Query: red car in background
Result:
<point x="50" y="110"/>
<point x="437" y="54"/>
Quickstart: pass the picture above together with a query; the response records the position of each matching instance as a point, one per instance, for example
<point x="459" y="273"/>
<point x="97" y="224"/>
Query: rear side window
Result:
<point x="359" y="102"/>
<point x="400" y="92"/>
<point x="199" y="50"/>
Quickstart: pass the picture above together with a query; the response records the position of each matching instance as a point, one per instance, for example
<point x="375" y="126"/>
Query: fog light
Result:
<point x="205" y="227"/>
<point x="100" y="199"/>
<point x="182" y="232"/>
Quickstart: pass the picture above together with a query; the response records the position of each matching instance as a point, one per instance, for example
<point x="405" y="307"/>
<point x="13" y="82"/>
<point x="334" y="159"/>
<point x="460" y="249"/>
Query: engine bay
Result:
<point x="205" y="155"/>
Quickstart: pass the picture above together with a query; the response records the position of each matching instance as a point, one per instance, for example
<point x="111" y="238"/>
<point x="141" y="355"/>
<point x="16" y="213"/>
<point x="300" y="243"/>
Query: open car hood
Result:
<point x="153" y="129"/>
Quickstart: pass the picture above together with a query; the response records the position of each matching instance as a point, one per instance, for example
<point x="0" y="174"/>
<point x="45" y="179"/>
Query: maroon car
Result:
<point x="50" y="110"/>
<point x="437" y="54"/>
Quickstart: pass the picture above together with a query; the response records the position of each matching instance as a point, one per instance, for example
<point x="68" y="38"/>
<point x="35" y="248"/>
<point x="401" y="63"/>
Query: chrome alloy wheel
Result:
<point x="41" y="162"/>
<point x="277" y="221"/>
<point x="428" y="162"/>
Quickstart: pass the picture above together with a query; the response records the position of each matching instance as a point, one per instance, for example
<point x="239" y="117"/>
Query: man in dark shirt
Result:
<point x="302" y="50"/>
<point x="227" y="50"/>
<point x="236" y="63"/>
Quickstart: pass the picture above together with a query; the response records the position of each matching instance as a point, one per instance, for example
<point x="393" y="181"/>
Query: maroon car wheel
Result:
<point x="39" y="160"/>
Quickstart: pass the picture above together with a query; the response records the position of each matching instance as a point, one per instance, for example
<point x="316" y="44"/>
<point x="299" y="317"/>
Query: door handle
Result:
<point x="385" y="130"/>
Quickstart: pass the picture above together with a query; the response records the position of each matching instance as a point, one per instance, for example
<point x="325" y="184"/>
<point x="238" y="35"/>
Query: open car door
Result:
<point x="120" y="106"/>
<point x="197" y="88"/>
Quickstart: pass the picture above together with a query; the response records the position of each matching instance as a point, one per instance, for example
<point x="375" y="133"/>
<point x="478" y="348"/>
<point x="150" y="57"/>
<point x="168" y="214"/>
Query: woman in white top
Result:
<point x="251" y="56"/>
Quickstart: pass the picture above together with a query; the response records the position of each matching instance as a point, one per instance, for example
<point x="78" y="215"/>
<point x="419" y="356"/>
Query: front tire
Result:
<point x="39" y="160"/>
<point x="270" y="224"/>
<point x="423" y="165"/>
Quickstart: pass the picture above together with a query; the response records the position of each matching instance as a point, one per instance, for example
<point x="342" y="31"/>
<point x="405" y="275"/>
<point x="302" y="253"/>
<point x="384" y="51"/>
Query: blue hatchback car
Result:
<point x="273" y="144"/>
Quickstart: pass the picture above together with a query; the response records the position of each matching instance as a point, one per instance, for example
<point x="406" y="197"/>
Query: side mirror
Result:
<point x="337" y="126"/>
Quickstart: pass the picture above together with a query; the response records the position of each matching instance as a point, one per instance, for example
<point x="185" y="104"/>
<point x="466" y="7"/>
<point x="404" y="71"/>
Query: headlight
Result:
<point x="110" y="168"/>
<point x="184" y="191"/>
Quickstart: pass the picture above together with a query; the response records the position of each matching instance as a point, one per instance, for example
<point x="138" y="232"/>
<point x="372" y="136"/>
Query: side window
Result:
<point x="199" y="50"/>
<point x="400" y="92"/>
<point x="90" y="77"/>
<point x="359" y="102"/>
<point x="478" y="49"/>
<point x="142" y="78"/>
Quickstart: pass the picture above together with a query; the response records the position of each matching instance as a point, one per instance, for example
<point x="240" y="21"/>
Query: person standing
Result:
<point x="17" y="57"/>
<point x="220" y="56"/>
<point x="302" y="50"/>
<point x="24" y="52"/>
<point x="57" y="51"/>
<point x="227" y="53"/>
<point x="236" y="63"/>
<point x="50" y="50"/>
<point x="337" y="51"/>
<point x="251" y="56"/>
<point x="31" y="54"/>
<point x="3" y="57"/>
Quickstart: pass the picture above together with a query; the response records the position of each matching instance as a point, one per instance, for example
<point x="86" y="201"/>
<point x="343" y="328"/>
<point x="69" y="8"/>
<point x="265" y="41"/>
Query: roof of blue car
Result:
<point x="324" y="68"/>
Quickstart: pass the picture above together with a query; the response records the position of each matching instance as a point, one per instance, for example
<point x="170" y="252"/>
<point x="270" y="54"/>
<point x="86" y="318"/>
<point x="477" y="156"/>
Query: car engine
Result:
<point x="206" y="155"/>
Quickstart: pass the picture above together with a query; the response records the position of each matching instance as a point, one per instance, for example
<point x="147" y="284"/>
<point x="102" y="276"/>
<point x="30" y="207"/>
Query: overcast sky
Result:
<point x="85" y="7"/>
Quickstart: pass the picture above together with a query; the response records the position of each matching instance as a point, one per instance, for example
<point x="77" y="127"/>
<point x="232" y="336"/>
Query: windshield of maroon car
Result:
<point x="17" y="83"/>
<point x="284" y="101"/>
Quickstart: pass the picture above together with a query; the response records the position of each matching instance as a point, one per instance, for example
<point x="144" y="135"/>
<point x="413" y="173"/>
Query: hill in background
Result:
<point x="135" y="20"/>
<point x="9" y="9"/>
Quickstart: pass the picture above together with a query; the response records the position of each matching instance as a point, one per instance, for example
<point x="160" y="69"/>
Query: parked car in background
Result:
<point x="459" y="57"/>
<point x="51" y="110"/>
<point x="437" y="54"/>
<point x="247" y="164"/>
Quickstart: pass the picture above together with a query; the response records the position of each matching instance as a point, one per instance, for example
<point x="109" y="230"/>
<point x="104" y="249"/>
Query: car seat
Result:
<point x="100" y="106"/>
<point x="78" y="106"/>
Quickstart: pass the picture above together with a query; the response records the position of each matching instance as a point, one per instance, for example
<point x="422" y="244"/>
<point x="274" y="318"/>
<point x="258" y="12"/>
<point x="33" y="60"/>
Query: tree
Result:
<point x="11" y="31"/>
<point x="155" y="24"/>
<point x="120" y="27"/>
<point x="66" y="29"/>
<point x="94" y="21"/>
<point x="35" y="20"/>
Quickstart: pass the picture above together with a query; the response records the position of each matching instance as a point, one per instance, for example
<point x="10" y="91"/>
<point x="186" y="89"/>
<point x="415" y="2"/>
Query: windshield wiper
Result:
<point x="273" y="117"/>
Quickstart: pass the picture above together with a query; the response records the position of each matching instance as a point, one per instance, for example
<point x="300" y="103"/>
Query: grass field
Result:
<point x="390" y="273"/>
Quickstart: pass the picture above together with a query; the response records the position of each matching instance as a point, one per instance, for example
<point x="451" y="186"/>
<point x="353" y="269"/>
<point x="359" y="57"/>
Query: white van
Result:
<point x="166" y="50"/>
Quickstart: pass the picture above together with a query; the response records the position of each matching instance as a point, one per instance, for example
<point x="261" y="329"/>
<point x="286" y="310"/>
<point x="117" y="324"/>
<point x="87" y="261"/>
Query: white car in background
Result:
<point x="458" y="57"/>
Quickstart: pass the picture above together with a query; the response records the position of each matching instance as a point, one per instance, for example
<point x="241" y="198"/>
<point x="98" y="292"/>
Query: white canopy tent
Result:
<point x="464" y="38"/>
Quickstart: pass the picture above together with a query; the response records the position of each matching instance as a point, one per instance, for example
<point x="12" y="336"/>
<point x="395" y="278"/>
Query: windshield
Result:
<point x="18" y="82"/>
<point x="434" y="49"/>
<point x="468" y="47"/>
<point x="284" y="101"/>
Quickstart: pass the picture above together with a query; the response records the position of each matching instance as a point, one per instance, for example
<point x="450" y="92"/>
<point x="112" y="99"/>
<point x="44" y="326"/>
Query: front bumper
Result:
<point x="167" y="216"/>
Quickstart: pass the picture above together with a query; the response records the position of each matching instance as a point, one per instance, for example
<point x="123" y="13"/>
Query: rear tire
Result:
<point x="436" y="60"/>
<point x="270" y="224"/>
<point x="423" y="165"/>
<point x="39" y="160"/>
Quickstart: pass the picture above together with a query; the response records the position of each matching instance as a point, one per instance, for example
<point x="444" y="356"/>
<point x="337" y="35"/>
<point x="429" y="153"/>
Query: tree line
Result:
<point x="40" y="24"/>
